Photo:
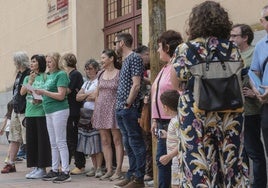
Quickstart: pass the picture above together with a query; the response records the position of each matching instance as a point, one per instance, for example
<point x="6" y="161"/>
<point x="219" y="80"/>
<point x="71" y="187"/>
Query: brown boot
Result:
<point x="136" y="183"/>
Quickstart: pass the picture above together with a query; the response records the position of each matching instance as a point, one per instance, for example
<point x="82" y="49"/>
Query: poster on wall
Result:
<point x="57" y="11"/>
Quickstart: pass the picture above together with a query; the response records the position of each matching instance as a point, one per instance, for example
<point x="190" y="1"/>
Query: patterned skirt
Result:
<point x="89" y="142"/>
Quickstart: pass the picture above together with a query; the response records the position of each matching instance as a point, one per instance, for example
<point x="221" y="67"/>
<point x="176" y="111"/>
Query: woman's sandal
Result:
<point x="116" y="176"/>
<point x="106" y="176"/>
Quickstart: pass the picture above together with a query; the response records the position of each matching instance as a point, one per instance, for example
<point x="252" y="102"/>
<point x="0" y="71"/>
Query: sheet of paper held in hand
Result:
<point x="35" y="96"/>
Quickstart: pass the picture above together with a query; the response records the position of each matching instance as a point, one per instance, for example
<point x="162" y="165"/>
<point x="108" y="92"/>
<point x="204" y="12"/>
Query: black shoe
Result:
<point x="62" y="178"/>
<point x="50" y="176"/>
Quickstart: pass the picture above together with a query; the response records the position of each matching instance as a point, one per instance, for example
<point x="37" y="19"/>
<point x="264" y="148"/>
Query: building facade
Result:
<point x="86" y="27"/>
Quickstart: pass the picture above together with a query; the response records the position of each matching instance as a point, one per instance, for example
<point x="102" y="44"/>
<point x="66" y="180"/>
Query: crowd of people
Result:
<point x="124" y="111"/>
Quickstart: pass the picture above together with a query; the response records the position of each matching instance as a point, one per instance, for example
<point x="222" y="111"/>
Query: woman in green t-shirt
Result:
<point x="56" y="108"/>
<point x="38" y="145"/>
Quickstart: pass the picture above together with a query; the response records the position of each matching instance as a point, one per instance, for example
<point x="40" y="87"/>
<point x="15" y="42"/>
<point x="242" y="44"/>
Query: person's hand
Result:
<point x="163" y="133"/>
<point x="164" y="159"/>
<point x="32" y="77"/>
<point x="154" y="128"/>
<point x="247" y="92"/>
<point x="39" y="91"/>
<point x="1" y="132"/>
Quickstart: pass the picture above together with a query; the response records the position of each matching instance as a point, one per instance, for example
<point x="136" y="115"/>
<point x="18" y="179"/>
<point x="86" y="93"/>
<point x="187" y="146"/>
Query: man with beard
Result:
<point x="127" y="110"/>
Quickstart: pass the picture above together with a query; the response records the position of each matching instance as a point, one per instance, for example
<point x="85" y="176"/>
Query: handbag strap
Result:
<point x="156" y="95"/>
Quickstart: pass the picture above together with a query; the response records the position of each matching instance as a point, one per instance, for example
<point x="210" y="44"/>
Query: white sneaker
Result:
<point x="98" y="173"/>
<point x="28" y="176"/>
<point x="40" y="172"/>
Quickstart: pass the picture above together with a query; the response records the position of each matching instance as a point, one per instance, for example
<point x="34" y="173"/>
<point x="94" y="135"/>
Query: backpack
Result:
<point x="218" y="83"/>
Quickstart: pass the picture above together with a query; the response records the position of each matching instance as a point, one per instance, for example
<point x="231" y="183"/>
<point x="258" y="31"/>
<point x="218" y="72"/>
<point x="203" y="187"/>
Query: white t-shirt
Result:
<point x="90" y="86"/>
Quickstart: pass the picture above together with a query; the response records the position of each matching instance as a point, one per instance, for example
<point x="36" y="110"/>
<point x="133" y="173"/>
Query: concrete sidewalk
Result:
<point x="18" y="180"/>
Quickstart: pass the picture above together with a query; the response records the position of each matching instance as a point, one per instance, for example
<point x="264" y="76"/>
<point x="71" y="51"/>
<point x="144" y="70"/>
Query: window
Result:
<point x="122" y="16"/>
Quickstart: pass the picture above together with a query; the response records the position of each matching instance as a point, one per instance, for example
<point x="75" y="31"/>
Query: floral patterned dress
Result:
<point x="211" y="142"/>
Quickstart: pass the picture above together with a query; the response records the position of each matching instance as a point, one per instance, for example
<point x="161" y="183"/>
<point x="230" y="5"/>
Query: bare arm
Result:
<point x="164" y="159"/>
<point x="173" y="78"/>
<point x="31" y="79"/>
<point x="134" y="89"/>
<point x="2" y="130"/>
<point x="60" y="95"/>
<point x="81" y="95"/>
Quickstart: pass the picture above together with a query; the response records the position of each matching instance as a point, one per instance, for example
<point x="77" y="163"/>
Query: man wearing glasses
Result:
<point x="127" y="113"/>
<point x="258" y="65"/>
<point x="242" y="35"/>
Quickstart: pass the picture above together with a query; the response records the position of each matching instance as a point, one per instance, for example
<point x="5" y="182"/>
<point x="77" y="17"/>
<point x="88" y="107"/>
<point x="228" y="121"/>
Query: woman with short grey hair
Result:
<point x="89" y="142"/>
<point x="17" y="131"/>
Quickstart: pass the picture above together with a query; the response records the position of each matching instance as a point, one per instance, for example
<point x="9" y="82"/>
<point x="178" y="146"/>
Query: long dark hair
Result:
<point x="111" y="53"/>
<point x="41" y="62"/>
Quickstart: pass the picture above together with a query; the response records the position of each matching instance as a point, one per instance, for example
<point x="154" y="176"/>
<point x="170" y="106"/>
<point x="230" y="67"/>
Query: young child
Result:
<point x="6" y="122"/>
<point x="169" y="101"/>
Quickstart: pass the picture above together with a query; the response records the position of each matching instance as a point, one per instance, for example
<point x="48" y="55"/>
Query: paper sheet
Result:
<point x="35" y="96"/>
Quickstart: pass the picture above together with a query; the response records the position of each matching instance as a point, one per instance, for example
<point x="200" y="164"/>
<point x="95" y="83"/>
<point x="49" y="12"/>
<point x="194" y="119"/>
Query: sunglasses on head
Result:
<point x="266" y="18"/>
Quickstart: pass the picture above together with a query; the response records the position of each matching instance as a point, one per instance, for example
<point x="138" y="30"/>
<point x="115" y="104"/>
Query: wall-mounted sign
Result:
<point x="57" y="11"/>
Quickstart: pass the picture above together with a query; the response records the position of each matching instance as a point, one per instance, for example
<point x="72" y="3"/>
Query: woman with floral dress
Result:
<point x="211" y="142"/>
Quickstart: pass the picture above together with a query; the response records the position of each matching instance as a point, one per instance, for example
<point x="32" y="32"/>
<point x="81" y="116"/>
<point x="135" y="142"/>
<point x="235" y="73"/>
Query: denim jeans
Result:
<point x="164" y="171"/>
<point x="127" y="120"/>
<point x="254" y="149"/>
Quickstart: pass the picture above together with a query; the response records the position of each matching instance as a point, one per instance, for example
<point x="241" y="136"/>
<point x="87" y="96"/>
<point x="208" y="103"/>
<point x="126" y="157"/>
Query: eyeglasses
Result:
<point x="116" y="42"/>
<point x="266" y="18"/>
<point x="89" y="68"/>
<point x="234" y="35"/>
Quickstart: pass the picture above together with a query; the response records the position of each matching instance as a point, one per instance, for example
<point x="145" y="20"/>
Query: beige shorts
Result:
<point x="17" y="132"/>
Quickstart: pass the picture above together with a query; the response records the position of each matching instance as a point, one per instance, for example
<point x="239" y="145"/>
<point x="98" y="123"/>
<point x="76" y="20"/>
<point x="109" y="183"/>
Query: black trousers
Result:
<point x="254" y="149"/>
<point x="38" y="144"/>
<point x="72" y="135"/>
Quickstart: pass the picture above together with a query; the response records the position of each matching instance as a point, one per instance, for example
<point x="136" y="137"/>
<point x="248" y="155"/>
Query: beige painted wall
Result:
<point x="24" y="28"/>
<point x="89" y="24"/>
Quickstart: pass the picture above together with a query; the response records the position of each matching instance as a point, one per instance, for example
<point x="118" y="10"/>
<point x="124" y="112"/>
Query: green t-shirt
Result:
<point x="53" y="81"/>
<point x="34" y="109"/>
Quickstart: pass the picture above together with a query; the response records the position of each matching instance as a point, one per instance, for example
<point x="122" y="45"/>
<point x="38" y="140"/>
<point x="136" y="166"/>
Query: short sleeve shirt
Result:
<point x="172" y="134"/>
<point x="53" y="81"/>
<point x="34" y="110"/>
<point x="259" y="55"/>
<point x="90" y="86"/>
<point x="132" y="66"/>
<point x="76" y="81"/>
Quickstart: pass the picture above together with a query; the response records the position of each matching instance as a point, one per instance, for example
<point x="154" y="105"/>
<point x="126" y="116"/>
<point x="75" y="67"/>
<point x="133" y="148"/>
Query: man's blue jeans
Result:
<point x="127" y="120"/>
<point x="164" y="171"/>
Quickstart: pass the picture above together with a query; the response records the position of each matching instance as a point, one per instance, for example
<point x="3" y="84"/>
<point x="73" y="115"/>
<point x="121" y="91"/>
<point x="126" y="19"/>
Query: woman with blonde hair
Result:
<point x="56" y="108"/>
